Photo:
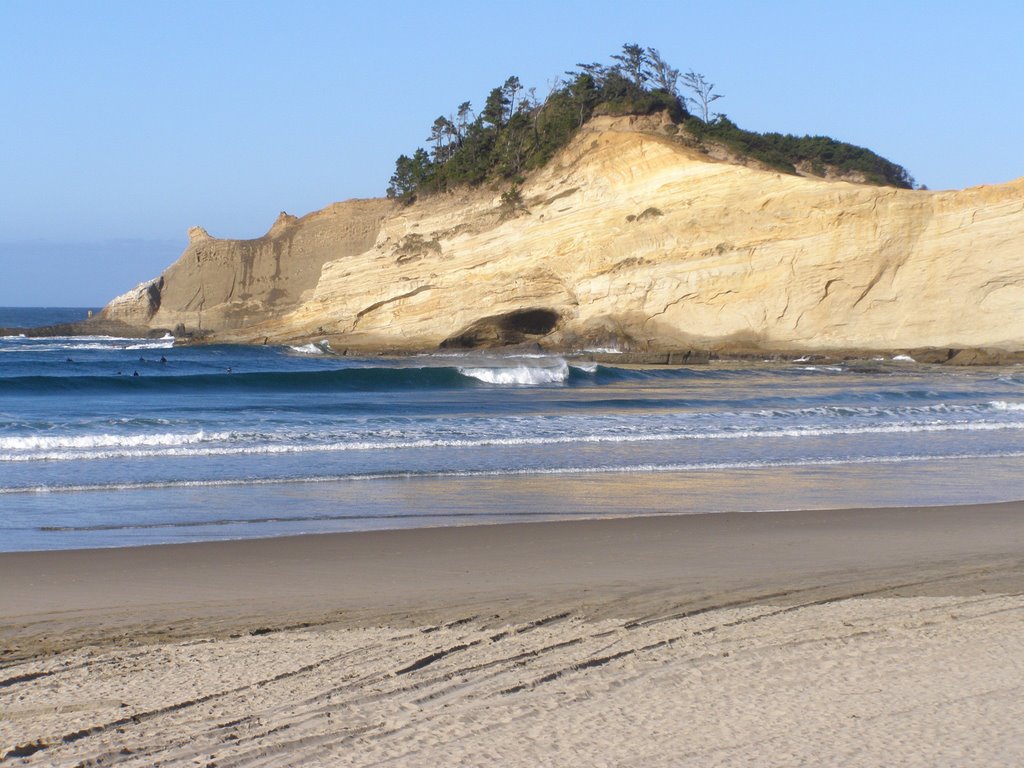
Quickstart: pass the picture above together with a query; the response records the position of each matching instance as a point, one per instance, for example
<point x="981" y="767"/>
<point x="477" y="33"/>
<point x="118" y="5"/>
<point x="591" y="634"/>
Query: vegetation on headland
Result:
<point x="816" y="155"/>
<point x="517" y="131"/>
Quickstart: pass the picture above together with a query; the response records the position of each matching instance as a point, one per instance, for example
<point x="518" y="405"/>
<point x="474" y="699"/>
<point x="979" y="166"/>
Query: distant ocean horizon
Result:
<point x="33" y="317"/>
<point x="118" y="441"/>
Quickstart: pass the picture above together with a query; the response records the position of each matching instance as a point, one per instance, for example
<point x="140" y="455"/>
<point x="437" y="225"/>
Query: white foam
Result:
<point x="68" y="442"/>
<point x="904" y="359"/>
<point x="871" y="411"/>
<point x="162" y="343"/>
<point x="77" y="343"/>
<point x="312" y="348"/>
<point x="1002" y="405"/>
<point x="192" y="450"/>
<point x="519" y="374"/>
<point x="307" y="349"/>
<point x="89" y="338"/>
<point x="585" y="367"/>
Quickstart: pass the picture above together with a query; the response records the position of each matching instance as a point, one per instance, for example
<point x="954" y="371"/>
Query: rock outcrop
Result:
<point x="224" y="286"/>
<point x="628" y="239"/>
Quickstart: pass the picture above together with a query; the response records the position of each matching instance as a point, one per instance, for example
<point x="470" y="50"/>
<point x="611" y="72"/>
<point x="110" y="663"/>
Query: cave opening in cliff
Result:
<point x="505" y="329"/>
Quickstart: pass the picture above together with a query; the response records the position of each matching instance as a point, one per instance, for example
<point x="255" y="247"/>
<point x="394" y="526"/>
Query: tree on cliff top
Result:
<point x="703" y="91"/>
<point x="513" y="134"/>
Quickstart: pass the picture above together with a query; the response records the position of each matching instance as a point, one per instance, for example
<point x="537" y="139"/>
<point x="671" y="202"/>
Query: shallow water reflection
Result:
<point x="167" y="515"/>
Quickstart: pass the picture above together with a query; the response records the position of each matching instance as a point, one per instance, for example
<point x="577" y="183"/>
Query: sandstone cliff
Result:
<point x="627" y="239"/>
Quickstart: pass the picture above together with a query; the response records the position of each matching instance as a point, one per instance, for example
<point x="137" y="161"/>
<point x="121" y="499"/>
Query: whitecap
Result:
<point x="519" y="374"/>
<point x="162" y="343"/>
<point x="1002" y="405"/>
<point x="87" y="442"/>
<point x="312" y="348"/>
<point x="186" y="450"/>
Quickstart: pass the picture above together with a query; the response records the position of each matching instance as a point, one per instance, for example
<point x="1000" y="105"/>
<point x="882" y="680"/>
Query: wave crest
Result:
<point x="312" y="348"/>
<point x="253" y="444"/>
<point x="85" y="442"/>
<point x="526" y="375"/>
<point x="1003" y="405"/>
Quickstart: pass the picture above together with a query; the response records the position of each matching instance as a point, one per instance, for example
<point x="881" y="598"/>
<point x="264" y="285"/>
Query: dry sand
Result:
<point x="851" y="637"/>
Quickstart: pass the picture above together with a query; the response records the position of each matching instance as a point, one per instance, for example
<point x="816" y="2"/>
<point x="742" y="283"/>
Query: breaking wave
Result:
<point x="340" y="379"/>
<point x="312" y="348"/>
<point x="525" y="375"/>
<point x="200" y="444"/>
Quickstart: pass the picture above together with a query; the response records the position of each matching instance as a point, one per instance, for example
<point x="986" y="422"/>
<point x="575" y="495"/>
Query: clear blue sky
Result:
<point x="124" y="123"/>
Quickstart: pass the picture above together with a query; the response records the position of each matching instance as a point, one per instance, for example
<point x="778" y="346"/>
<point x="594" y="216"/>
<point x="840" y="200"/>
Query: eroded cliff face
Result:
<point x="628" y="239"/>
<point x="220" y="286"/>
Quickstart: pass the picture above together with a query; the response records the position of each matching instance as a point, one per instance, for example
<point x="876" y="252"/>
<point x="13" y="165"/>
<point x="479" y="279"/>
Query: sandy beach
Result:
<point x="849" y="637"/>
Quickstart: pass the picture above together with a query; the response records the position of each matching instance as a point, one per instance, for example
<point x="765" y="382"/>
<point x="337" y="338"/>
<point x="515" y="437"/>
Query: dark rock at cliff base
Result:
<point x="93" y="327"/>
<point x="986" y="357"/>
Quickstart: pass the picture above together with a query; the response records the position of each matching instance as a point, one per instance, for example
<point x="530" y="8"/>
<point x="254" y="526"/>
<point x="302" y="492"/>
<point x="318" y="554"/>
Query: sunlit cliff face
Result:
<point x="626" y="238"/>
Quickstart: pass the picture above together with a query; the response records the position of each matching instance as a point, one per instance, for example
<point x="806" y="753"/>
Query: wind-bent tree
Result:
<point x="665" y="77"/>
<point x="463" y="118"/>
<point x="703" y="89"/>
<point x="509" y="90"/>
<point x="597" y="72"/>
<point x="442" y="133"/>
<point x="633" y="63"/>
<point x="496" y="107"/>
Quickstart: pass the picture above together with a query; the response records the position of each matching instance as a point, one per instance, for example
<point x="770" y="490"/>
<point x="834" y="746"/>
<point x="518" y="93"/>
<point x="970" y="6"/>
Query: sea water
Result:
<point x="117" y="441"/>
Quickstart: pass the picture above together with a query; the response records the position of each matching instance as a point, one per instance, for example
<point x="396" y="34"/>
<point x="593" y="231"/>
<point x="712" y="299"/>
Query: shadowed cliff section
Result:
<point x="220" y="285"/>
<point x="630" y="240"/>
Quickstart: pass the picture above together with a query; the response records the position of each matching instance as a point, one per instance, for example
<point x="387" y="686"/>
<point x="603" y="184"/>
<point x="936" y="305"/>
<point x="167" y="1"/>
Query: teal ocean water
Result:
<point x="115" y="442"/>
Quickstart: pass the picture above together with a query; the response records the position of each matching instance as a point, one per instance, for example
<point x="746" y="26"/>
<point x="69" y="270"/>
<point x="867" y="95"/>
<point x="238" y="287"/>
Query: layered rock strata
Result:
<point x="628" y="240"/>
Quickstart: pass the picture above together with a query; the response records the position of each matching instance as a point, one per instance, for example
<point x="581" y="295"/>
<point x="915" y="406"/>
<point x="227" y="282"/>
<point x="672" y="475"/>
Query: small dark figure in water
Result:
<point x="135" y="374"/>
<point x="163" y="359"/>
<point x="229" y="370"/>
<point x="69" y="360"/>
<point x="142" y="359"/>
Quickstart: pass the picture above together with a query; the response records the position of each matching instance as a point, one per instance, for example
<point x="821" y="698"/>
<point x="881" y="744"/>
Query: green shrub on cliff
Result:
<point x="817" y="155"/>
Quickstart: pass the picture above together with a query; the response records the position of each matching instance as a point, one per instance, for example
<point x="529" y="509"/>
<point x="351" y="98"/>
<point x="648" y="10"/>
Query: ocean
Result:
<point x="109" y="442"/>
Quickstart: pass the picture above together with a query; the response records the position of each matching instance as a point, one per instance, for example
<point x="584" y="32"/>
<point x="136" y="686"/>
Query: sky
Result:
<point x="125" y="123"/>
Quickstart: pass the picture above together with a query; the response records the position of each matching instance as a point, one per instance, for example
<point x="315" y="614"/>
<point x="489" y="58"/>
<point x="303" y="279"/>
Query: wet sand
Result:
<point x="841" y="637"/>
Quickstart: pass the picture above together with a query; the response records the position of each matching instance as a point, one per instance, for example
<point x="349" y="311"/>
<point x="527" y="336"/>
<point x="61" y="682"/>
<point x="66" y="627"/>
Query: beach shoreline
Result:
<point x="412" y="572"/>
<point x="595" y="605"/>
